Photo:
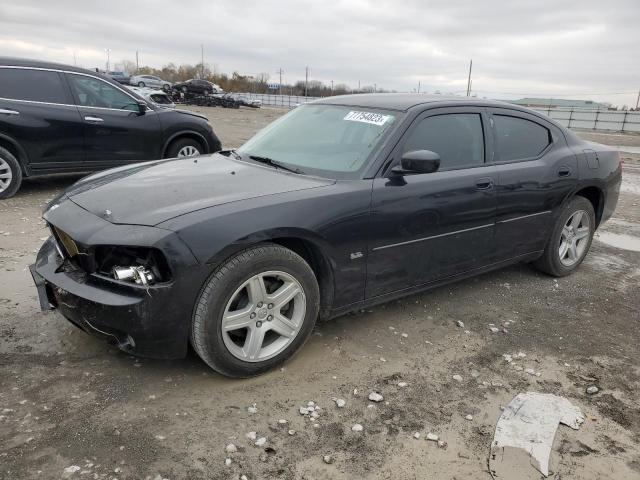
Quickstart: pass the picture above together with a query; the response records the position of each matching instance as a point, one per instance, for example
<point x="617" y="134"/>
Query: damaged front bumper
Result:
<point x="145" y="320"/>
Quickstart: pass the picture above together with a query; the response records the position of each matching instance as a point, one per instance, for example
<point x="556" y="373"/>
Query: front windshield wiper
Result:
<point x="274" y="163"/>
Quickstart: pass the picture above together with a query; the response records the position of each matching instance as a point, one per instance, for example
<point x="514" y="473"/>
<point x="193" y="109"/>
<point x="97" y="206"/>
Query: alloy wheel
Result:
<point x="574" y="238"/>
<point x="263" y="316"/>
<point x="188" y="151"/>
<point x="5" y="175"/>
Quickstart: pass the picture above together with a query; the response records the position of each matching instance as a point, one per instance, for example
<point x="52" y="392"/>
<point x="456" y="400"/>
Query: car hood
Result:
<point x="153" y="192"/>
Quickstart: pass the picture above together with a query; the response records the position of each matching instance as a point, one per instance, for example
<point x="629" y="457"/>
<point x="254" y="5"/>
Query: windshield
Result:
<point x="325" y="140"/>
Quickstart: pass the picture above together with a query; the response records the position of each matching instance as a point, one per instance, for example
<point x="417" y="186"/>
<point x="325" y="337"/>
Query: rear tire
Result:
<point x="228" y="350"/>
<point x="141" y="84"/>
<point x="10" y="174"/>
<point x="570" y="239"/>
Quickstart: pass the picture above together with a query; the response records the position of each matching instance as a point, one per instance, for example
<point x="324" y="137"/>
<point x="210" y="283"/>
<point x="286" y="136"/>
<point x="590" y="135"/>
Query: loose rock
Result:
<point x="375" y="397"/>
<point x="357" y="428"/>
<point x="261" y="441"/>
<point x="328" y="459"/>
<point x="432" y="437"/>
<point x="231" y="448"/>
<point x="592" y="389"/>
<point x="340" y="403"/>
<point x="457" y="378"/>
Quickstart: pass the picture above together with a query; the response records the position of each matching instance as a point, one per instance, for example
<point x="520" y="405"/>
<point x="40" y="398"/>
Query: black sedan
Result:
<point x="338" y="205"/>
<point x="198" y="87"/>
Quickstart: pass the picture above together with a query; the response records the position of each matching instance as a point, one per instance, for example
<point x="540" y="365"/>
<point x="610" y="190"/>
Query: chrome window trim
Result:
<point x="433" y="236"/>
<point x="17" y="67"/>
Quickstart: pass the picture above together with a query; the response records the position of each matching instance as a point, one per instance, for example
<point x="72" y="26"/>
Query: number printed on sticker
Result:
<point x="367" y="117"/>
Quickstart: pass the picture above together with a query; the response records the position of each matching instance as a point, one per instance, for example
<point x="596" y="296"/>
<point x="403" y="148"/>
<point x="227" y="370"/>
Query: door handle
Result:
<point x="8" y="112"/>
<point x="94" y="119"/>
<point x="484" y="183"/>
<point x="564" y="171"/>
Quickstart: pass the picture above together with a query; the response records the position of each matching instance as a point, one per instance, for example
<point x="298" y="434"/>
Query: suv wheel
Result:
<point x="166" y="87"/>
<point x="570" y="239"/>
<point x="141" y="84"/>
<point x="10" y="174"/>
<point x="255" y="311"/>
<point x="184" y="147"/>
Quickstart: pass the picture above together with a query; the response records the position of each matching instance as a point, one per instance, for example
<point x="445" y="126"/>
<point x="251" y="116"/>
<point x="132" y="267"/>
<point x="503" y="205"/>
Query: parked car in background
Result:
<point x="341" y="204"/>
<point x="202" y="87"/>
<point x="247" y="101"/>
<point x="150" y="81"/>
<point x="159" y="97"/>
<point x="120" y="77"/>
<point x="57" y="118"/>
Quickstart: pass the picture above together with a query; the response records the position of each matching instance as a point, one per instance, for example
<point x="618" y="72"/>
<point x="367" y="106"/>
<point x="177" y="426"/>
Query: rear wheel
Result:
<point x="141" y="84"/>
<point x="10" y="174"/>
<point x="255" y="311"/>
<point x="184" y="147"/>
<point x="570" y="239"/>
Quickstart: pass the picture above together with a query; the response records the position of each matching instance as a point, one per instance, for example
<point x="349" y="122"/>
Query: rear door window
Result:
<point x="33" y="85"/>
<point x="519" y="138"/>
<point x="458" y="139"/>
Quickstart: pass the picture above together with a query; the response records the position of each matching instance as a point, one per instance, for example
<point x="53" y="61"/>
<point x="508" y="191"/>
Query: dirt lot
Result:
<point x="69" y="400"/>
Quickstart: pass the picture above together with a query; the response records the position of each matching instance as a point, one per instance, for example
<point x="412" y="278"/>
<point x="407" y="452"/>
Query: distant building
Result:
<point x="560" y="103"/>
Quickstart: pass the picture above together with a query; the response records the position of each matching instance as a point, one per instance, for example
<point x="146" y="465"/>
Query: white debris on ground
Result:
<point x="402" y="384"/>
<point x="261" y="441"/>
<point x="252" y="436"/>
<point x="469" y="417"/>
<point x="231" y="448"/>
<point x="227" y="461"/>
<point x="592" y="389"/>
<point x="460" y="323"/>
<point x="328" y="459"/>
<point x="416" y="435"/>
<point x="457" y="378"/>
<point x="493" y="329"/>
<point x="525" y="432"/>
<point x="432" y="437"/>
<point x="375" y="397"/>
<point x="357" y="428"/>
<point x="67" y="472"/>
<point x="340" y="402"/>
<point x="252" y="409"/>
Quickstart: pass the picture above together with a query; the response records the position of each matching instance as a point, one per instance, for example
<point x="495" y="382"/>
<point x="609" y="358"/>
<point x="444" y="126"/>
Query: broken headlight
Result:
<point x="139" y="265"/>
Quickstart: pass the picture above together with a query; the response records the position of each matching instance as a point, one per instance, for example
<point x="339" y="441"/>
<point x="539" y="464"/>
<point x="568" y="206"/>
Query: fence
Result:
<point x="603" y="120"/>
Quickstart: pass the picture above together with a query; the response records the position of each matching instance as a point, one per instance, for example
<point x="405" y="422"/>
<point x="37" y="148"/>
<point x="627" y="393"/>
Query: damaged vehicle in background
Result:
<point x="341" y="204"/>
<point x="158" y="97"/>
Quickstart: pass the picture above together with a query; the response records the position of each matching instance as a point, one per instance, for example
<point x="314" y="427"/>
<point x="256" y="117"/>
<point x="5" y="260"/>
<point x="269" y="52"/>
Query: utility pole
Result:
<point x="74" y="59"/>
<point x="418" y="86"/>
<point x="469" y="79"/>
<point x="638" y="100"/>
<point x="375" y="88"/>
<point x="137" y="64"/>
<point x="280" y="71"/>
<point x="202" y="60"/>
<point x="108" y="52"/>
<point x="331" y="87"/>
<point x="306" y="79"/>
<point x="358" y="86"/>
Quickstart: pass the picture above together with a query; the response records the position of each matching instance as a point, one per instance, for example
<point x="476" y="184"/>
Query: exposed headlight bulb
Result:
<point x="138" y="274"/>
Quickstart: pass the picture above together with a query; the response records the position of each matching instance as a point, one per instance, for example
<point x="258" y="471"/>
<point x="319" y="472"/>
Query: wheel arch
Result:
<point x="595" y="195"/>
<point x="312" y="248"/>
<point x="17" y="151"/>
<point x="185" y="134"/>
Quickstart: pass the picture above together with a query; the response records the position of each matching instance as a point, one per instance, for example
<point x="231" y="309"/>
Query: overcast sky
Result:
<point x="561" y="48"/>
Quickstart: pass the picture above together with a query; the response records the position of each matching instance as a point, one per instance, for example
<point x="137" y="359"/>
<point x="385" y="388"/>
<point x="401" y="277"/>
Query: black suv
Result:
<point x="56" y="118"/>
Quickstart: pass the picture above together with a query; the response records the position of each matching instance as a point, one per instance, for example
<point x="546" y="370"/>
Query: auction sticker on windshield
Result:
<point x="367" y="117"/>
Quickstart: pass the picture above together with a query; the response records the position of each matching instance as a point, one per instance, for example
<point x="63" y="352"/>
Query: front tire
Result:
<point x="184" y="147"/>
<point x="570" y="240"/>
<point x="10" y="174"/>
<point x="255" y="311"/>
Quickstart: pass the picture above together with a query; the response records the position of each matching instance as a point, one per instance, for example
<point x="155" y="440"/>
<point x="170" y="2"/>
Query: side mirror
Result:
<point x="142" y="107"/>
<point x="418" y="161"/>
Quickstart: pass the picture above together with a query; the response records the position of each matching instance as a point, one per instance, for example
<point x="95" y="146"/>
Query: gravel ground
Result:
<point x="67" y="400"/>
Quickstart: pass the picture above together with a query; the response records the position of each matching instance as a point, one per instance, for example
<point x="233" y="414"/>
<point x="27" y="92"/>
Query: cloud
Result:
<point x="573" y="48"/>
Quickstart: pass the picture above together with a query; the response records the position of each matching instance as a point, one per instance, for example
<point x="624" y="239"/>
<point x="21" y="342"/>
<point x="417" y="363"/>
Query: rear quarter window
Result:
<point x="32" y="85"/>
<point x="519" y="138"/>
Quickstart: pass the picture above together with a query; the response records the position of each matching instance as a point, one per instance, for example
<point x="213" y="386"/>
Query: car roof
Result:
<point x="24" y="62"/>
<point x="405" y="101"/>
